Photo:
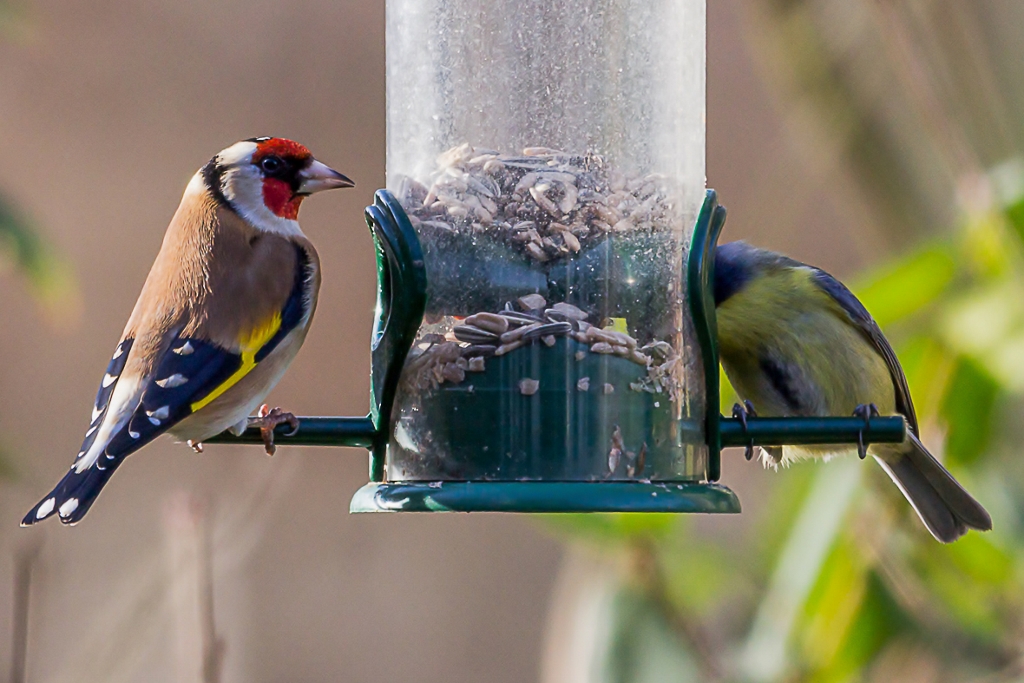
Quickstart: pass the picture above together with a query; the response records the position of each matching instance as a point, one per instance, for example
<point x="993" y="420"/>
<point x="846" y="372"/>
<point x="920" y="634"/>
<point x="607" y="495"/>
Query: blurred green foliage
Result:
<point x="23" y="248"/>
<point x="838" y="581"/>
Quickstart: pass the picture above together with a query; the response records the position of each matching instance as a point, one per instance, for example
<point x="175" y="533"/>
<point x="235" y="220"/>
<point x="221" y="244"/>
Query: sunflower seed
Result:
<point x="511" y="346"/>
<point x="568" y="310"/>
<point x="639" y="358"/>
<point x="479" y="350"/>
<point x="493" y="166"/>
<point x="541" y="151"/>
<point x="568" y="202"/>
<point x="480" y="187"/>
<point x="474" y="335"/>
<point x="571" y="242"/>
<point x="545" y="203"/>
<point x="519" y="332"/>
<point x="557" y="329"/>
<point x="658" y="349"/>
<point x="612" y="337"/>
<point x="556" y="317"/>
<point x="536" y="252"/>
<point x="517" y="319"/>
<point x="437" y="225"/>
<point x="490" y="322"/>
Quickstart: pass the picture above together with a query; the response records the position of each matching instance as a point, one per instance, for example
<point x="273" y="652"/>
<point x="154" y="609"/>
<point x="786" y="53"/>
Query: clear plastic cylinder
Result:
<point x="551" y="158"/>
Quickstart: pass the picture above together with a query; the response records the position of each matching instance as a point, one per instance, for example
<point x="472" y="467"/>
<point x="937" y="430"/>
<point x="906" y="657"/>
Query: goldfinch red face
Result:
<point x="265" y="180"/>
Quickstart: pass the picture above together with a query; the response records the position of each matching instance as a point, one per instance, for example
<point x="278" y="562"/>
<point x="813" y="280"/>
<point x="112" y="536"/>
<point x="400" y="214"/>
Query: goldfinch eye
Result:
<point x="271" y="164"/>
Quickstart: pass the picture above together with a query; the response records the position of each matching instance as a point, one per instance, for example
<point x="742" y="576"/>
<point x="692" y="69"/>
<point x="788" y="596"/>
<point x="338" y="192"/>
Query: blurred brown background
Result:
<point x="107" y="108"/>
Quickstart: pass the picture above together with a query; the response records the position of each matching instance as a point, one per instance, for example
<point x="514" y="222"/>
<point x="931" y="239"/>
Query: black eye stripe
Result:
<point x="283" y="168"/>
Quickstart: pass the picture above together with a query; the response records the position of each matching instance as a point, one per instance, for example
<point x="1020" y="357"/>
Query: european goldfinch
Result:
<point x="223" y="312"/>
<point x="794" y="341"/>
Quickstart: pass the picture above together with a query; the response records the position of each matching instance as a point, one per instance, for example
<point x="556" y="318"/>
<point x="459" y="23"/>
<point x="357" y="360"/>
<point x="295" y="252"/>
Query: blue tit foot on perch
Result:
<point x="741" y="413"/>
<point x="865" y="411"/>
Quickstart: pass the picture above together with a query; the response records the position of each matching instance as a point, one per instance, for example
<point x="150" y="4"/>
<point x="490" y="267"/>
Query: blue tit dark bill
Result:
<point x="794" y="341"/>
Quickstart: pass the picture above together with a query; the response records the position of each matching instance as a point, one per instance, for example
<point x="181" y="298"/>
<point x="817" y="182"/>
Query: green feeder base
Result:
<point x="557" y="496"/>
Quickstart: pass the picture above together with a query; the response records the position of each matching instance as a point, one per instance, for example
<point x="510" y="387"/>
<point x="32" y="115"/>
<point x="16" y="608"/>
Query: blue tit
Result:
<point x="794" y="341"/>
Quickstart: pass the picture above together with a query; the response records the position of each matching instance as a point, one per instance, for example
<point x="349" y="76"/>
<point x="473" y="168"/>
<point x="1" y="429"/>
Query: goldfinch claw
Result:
<point x="267" y="420"/>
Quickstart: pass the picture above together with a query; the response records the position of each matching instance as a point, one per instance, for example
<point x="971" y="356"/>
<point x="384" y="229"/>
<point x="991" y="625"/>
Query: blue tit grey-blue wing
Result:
<point x="860" y="318"/>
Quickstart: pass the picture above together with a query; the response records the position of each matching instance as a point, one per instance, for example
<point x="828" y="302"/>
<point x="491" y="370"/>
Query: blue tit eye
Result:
<point x="271" y="164"/>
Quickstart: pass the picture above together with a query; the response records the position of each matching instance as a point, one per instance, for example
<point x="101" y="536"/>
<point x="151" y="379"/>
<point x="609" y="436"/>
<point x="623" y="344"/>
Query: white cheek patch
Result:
<point x="237" y="154"/>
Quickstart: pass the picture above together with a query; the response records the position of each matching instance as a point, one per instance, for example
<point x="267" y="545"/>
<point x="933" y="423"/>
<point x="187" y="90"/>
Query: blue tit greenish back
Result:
<point x="794" y="341"/>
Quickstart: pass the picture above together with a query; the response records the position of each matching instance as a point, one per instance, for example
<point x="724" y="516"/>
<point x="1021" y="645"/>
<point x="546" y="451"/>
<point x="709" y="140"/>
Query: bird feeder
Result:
<point x="545" y="332"/>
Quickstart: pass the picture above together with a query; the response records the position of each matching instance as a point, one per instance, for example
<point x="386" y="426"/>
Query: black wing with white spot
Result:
<point x="60" y="500"/>
<point x="190" y="374"/>
<point x="189" y="371"/>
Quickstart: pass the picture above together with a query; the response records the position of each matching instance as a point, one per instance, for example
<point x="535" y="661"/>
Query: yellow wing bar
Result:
<point x="250" y="343"/>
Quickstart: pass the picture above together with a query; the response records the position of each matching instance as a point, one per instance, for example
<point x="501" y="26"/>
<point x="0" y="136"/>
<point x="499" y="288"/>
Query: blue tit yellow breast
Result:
<point x="788" y="347"/>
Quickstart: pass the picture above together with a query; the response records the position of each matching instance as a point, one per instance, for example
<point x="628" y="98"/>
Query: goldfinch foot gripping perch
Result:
<point x="267" y="420"/>
<point x="223" y="312"/>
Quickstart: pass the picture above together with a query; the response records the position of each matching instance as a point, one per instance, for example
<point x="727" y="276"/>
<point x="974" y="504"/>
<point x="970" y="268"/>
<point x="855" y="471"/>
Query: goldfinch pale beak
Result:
<point x="319" y="177"/>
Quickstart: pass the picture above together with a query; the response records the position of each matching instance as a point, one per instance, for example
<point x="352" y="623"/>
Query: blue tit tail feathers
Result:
<point x="946" y="509"/>
<point x="73" y="496"/>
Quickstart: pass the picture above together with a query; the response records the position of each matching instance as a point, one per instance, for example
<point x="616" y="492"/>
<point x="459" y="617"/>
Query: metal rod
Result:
<point x="356" y="432"/>
<point x="806" y="431"/>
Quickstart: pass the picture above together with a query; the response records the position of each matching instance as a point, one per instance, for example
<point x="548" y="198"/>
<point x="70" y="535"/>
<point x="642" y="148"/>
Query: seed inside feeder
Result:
<point x="438" y="359"/>
<point x="534" y="255"/>
<point x="550" y="205"/>
<point x="528" y="387"/>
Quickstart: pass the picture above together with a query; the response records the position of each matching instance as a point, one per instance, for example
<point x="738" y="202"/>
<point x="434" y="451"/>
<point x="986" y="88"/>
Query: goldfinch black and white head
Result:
<point x="265" y="180"/>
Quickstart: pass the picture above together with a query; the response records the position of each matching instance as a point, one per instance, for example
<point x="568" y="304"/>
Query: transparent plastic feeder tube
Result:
<point x="551" y="158"/>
